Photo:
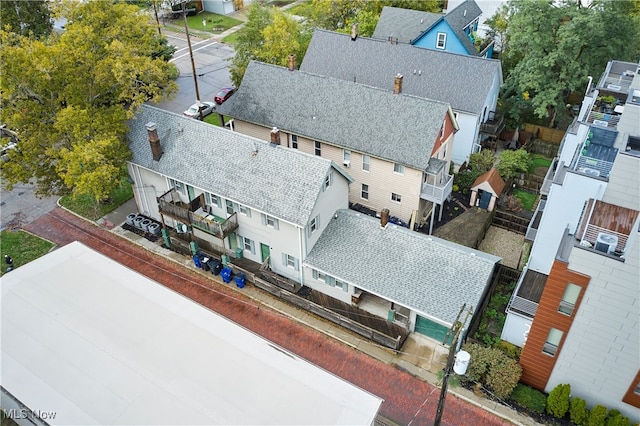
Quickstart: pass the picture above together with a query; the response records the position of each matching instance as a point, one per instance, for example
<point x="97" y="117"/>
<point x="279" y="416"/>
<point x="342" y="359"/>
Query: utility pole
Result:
<point x="456" y="330"/>
<point x="193" y="65"/>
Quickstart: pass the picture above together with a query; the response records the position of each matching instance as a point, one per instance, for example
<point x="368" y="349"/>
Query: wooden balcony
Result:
<point x="494" y="125"/>
<point x="195" y="215"/>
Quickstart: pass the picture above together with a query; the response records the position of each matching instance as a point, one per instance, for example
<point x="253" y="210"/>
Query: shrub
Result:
<point x="482" y="161"/>
<point x="558" y="400"/>
<point x="511" y="350"/>
<point x="615" y="418"/>
<point x="529" y="397"/>
<point x="511" y="163"/>
<point x="578" y="411"/>
<point x="504" y="374"/>
<point x="465" y="178"/>
<point x="494" y="369"/>
<point x="597" y="415"/>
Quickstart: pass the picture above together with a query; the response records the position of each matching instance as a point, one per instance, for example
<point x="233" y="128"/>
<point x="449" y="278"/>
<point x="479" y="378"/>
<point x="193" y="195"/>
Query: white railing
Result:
<point x="437" y="193"/>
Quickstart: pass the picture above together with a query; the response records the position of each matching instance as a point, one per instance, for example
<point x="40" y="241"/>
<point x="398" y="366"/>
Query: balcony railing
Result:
<point x="532" y="229"/>
<point x="605" y="118"/>
<point x="437" y="192"/>
<point x="592" y="233"/>
<point x="494" y="125"/>
<point x="192" y="213"/>
<point x="523" y="306"/>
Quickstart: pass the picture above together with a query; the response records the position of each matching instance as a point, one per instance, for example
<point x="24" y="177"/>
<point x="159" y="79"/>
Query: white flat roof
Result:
<point x="97" y="343"/>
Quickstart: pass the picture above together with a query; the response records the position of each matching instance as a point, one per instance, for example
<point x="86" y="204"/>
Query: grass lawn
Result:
<point x="538" y="160"/>
<point x="528" y="199"/>
<point x="22" y="247"/>
<point x="213" y="119"/>
<point x="231" y="38"/>
<point x="213" y="23"/>
<point x="87" y="207"/>
<point x="302" y="9"/>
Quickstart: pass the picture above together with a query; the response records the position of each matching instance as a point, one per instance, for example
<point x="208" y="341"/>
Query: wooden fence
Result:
<point x="393" y="338"/>
<point x="510" y="222"/>
<point x="545" y="133"/>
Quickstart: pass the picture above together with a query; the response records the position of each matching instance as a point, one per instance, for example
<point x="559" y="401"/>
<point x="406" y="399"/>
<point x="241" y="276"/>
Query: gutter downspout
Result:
<point x="303" y="249"/>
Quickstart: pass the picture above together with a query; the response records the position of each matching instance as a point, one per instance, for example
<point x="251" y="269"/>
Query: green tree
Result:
<point x="70" y="109"/>
<point x="553" y="46"/>
<point x="340" y="15"/>
<point x="481" y="162"/>
<point x="597" y="415"/>
<point x="510" y="163"/>
<point x="269" y="35"/>
<point x="26" y="17"/>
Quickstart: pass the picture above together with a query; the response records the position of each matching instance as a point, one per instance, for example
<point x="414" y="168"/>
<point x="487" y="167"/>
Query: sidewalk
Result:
<point x="420" y="356"/>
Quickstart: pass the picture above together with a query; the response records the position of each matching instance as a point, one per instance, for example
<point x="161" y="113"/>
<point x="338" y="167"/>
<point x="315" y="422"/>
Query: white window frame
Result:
<point x="343" y="285"/>
<point x="179" y="186"/>
<point x="247" y="244"/>
<point x="313" y="225"/>
<point x="294" y="141"/>
<point x="328" y="180"/>
<point x="398" y="169"/>
<point x="270" y="221"/>
<point x="552" y="342"/>
<point x="396" y="198"/>
<point x="244" y="210"/>
<point x="213" y="200"/>
<point x="317" y="148"/>
<point x="366" y="163"/>
<point x="290" y="261"/>
<point x="230" y="205"/>
<point x="364" y="190"/>
<point x="569" y="299"/>
<point x="346" y="155"/>
<point x="441" y="41"/>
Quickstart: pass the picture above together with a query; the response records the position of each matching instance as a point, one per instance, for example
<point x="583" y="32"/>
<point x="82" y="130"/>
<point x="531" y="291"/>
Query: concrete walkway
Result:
<point x="420" y="356"/>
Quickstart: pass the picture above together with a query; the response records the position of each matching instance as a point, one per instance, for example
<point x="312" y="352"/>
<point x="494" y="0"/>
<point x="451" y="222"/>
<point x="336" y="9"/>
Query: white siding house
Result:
<point x="234" y="191"/>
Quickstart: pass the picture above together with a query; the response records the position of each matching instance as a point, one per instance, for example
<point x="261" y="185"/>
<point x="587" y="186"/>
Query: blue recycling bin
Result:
<point x="196" y="261"/>
<point x="240" y="280"/>
<point x="226" y="275"/>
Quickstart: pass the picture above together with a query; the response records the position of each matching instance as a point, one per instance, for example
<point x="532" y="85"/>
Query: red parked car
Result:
<point x="224" y="94"/>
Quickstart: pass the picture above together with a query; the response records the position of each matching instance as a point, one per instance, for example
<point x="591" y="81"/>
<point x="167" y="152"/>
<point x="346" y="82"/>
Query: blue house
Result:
<point x="454" y="32"/>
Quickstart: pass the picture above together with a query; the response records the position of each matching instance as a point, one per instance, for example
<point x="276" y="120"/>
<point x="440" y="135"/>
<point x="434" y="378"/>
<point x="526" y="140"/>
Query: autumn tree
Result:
<point x="340" y="15"/>
<point x="552" y="46"/>
<point x="69" y="96"/>
<point x="31" y="17"/>
<point x="269" y="35"/>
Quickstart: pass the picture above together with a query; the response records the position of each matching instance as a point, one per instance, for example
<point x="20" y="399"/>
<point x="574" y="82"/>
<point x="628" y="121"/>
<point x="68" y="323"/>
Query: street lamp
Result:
<point x="193" y="65"/>
<point x="461" y="361"/>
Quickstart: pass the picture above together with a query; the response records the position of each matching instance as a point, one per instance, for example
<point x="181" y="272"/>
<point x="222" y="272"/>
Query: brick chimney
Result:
<point x="384" y="218"/>
<point x="292" y="62"/>
<point x="354" y="32"/>
<point x="397" y="84"/>
<point x="275" y="136"/>
<point x="154" y="141"/>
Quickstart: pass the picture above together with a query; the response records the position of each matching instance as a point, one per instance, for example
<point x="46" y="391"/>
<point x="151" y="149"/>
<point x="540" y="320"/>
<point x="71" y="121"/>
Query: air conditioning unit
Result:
<point x="346" y="163"/>
<point x="613" y="87"/>
<point x="606" y="243"/>
<point x="589" y="171"/>
<point x="181" y="228"/>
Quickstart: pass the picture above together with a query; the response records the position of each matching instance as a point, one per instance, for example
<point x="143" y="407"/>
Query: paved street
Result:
<point x="210" y="58"/>
<point x="408" y="399"/>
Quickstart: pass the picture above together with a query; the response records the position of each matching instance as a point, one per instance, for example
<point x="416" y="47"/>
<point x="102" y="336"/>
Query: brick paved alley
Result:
<point x="407" y="399"/>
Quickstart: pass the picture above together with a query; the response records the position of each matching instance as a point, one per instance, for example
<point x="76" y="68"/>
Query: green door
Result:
<point x="431" y="329"/>
<point x="191" y="192"/>
<point x="264" y="251"/>
<point x="233" y="241"/>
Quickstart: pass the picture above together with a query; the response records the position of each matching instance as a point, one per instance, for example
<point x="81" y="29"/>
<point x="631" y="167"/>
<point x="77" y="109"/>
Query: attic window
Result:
<point x="442" y="40"/>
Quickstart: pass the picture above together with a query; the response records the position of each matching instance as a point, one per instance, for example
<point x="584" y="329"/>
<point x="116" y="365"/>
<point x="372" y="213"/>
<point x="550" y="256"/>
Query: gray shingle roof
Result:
<point x="430" y="275"/>
<point x="462" y="81"/>
<point x="403" y="24"/>
<point x="282" y="182"/>
<point x="459" y="18"/>
<point x="399" y="128"/>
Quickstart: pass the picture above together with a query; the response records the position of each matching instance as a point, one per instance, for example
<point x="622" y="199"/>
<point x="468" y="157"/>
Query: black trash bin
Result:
<point x="216" y="266"/>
